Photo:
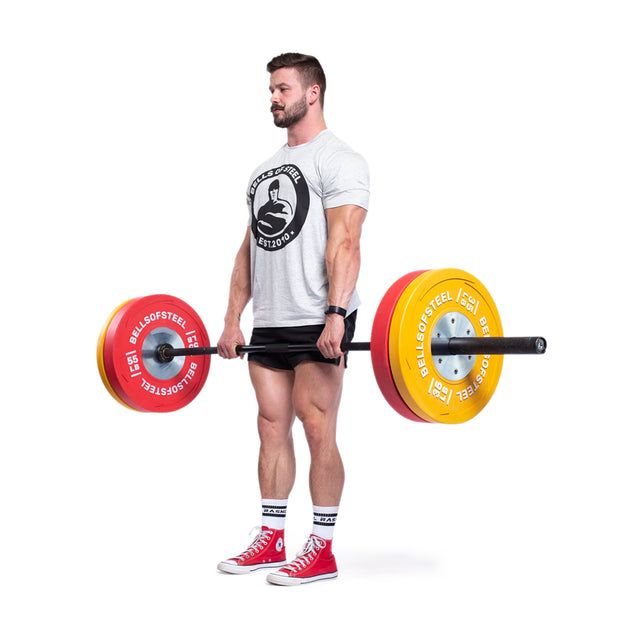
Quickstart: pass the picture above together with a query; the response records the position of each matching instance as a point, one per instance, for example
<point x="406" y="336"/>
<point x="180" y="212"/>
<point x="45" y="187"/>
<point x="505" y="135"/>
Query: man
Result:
<point x="302" y="277"/>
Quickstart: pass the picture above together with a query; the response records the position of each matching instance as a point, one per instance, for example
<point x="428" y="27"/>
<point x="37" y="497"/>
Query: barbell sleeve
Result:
<point x="488" y="346"/>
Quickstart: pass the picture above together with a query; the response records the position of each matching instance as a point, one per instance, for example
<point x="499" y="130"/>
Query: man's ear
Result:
<point x="313" y="93"/>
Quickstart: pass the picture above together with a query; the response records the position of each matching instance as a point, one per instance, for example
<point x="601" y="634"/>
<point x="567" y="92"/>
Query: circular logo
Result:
<point x="279" y="206"/>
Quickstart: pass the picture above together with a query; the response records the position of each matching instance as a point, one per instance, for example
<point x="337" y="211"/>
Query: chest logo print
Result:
<point x="279" y="206"/>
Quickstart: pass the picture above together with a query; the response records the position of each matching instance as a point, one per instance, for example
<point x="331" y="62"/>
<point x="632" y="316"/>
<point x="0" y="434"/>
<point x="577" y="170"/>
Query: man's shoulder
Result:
<point x="337" y="153"/>
<point x="330" y="142"/>
<point x="335" y="147"/>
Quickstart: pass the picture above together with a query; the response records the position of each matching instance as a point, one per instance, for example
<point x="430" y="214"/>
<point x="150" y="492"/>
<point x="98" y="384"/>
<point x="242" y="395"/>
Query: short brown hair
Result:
<point x="308" y="67"/>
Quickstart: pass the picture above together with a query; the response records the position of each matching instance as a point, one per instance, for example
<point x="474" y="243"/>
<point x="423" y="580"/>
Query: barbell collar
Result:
<point x="449" y="347"/>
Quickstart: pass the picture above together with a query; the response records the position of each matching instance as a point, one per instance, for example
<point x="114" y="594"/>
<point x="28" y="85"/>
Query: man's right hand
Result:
<point x="231" y="337"/>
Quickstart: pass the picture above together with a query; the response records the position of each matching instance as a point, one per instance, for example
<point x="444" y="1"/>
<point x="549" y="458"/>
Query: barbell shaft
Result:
<point x="448" y="347"/>
<point x="166" y="352"/>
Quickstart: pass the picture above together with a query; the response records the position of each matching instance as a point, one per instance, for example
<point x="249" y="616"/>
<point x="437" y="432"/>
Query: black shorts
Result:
<point x="297" y="335"/>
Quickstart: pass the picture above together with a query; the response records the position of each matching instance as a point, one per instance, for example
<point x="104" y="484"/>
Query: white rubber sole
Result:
<point x="288" y="581"/>
<point x="230" y="567"/>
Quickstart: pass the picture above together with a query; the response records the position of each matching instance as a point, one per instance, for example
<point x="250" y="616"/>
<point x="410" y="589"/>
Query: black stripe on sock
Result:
<point x="274" y="511"/>
<point x="325" y="519"/>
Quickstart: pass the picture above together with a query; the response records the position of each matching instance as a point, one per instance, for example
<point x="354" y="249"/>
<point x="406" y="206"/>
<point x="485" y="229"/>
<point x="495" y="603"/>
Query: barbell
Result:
<point x="436" y="348"/>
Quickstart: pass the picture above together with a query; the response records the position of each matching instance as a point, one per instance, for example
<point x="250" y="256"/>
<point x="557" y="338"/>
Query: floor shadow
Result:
<point x="372" y="562"/>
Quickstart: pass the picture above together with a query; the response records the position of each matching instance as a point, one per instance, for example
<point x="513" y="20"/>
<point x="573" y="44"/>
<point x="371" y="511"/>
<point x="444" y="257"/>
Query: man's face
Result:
<point x="288" y="97"/>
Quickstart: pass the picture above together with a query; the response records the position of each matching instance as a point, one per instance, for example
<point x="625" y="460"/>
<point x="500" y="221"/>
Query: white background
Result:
<point x="502" y="138"/>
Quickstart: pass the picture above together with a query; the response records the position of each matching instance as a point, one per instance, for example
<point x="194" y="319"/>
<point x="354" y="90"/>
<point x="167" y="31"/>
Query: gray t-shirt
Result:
<point x="287" y="198"/>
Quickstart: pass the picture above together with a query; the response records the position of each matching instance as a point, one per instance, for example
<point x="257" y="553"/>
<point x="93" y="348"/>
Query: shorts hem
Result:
<point x="305" y="334"/>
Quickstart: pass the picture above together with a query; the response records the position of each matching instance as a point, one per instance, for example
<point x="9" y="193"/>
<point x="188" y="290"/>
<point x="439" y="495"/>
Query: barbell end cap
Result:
<point x="161" y="353"/>
<point x="541" y="345"/>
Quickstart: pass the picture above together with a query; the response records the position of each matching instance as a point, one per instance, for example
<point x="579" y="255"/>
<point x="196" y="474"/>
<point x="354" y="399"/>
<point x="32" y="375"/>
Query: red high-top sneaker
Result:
<point x="265" y="552"/>
<point x="314" y="562"/>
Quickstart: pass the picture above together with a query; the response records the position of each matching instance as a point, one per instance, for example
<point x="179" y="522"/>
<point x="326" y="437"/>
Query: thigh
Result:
<point x="274" y="393"/>
<point x="317" y="390"/>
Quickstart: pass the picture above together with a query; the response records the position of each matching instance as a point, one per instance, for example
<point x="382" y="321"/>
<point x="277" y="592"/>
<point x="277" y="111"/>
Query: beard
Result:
<point x="289" y="115"/>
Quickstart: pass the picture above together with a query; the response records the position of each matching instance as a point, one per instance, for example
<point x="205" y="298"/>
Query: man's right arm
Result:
<point x="239" y="296"/>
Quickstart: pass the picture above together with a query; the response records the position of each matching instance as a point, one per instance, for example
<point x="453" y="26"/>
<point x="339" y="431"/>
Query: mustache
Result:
<point x="274" y="108"/>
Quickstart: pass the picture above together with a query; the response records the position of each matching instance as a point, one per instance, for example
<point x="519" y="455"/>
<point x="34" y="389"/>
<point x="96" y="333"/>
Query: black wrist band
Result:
<point x="339" y="310"/>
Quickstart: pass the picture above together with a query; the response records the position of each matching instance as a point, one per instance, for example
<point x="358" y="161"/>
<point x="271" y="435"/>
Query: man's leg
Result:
<point x="316" y="398"/>
<point x="276" y="462"/>
<point x="276" y="469"/>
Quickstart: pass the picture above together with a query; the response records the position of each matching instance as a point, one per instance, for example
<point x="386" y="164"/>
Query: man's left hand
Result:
<point x="331" y="338"/>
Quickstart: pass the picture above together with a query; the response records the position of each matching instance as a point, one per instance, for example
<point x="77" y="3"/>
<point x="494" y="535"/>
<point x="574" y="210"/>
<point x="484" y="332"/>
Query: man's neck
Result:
<point x="304" y="131"/>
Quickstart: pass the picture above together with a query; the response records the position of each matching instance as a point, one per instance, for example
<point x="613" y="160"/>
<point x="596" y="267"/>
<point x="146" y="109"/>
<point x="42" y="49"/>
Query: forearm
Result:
<point x="342" y="254"/>
<point x="343" y="267"/>
<point x="342" y="257"/>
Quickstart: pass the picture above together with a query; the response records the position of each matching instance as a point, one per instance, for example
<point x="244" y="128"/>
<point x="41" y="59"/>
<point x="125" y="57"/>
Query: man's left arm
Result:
<point x="342" y="256"/>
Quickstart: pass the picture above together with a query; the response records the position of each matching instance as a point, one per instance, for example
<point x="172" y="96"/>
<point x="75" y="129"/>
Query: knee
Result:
<point x="318" y="428"/>
<point x="273" y="433"/>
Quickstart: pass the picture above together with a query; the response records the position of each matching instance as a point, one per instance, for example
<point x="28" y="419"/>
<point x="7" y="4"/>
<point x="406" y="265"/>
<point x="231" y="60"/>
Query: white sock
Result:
<point x="274" y="513"/>
<point x="324" y="520"/>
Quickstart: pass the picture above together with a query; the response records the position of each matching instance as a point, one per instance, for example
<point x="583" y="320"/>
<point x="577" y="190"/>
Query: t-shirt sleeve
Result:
<point x="345" y="180"/>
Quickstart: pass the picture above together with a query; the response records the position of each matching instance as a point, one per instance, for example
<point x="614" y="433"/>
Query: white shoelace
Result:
<point x="306" y="555"/>
<point x="258" y="543"/>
